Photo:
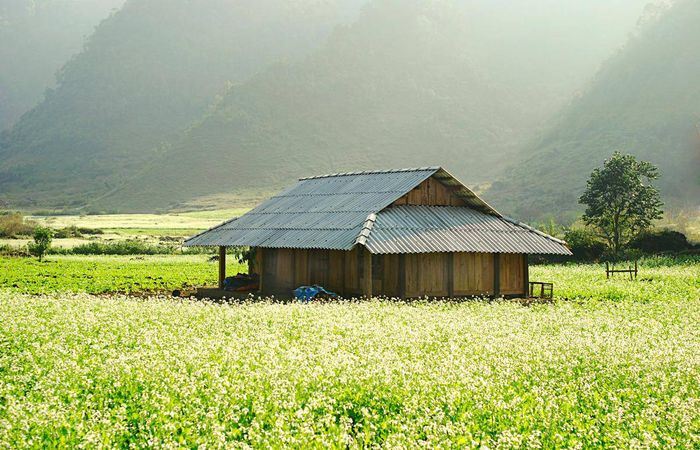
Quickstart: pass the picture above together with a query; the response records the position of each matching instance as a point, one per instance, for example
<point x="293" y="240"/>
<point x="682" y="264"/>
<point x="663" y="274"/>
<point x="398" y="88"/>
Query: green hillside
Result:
<point x="147" y="72"/>
<point x="173" y="101"/>
<point x="36" y="39"/>
<point x="409" y="84"/>
<point x="645" y="101"/>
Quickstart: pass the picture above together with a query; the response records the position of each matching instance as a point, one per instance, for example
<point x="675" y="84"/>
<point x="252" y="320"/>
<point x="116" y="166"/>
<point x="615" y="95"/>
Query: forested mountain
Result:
<point x="146" y="73"/>
<point x="644" y="101"/>
<point x="176" y="100"/>
<point x="411" y="83"/>
<point x="36" y="39"/>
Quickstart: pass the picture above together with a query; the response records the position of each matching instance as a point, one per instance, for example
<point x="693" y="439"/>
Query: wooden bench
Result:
<point x="541" y="290"/>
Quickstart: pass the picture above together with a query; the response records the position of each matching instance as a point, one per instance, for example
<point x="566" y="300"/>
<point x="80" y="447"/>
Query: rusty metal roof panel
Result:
<point x="426" y="229"/>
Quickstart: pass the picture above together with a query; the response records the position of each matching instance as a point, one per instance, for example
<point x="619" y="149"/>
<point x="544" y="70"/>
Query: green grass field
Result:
<point x="612" y="363"/>
<point x="109" y="274"/>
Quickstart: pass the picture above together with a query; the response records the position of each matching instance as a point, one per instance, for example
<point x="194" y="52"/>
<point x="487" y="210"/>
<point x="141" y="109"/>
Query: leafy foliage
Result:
<point x="584" y="244"/>
<point x="618" y="202"/>
<point x="126" y="247"/>
<point x="42" y="241"/>
<point x="661" y="241"/>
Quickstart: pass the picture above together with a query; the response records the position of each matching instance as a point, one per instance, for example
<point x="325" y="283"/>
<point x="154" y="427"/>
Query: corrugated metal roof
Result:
<point x="426" y="229"/>
<point x="326" y="212"/>
<point x="342" y="210"/>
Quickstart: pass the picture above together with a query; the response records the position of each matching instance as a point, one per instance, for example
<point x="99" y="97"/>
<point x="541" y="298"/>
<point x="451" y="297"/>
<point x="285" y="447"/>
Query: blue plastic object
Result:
<point x="310" y="293"/>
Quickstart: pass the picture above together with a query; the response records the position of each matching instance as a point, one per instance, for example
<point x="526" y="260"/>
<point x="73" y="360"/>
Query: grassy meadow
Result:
<point x="612" y="363"/>
<point x="150" y="228"/>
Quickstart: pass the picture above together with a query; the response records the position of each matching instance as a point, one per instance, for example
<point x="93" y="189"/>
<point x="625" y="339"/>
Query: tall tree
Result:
<point x="619" y="201"/>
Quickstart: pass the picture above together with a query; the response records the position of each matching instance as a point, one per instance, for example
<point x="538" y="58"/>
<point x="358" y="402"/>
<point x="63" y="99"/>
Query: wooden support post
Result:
<point x="402" y="276"/>
<point x="496" y="275"/>
<point x="526" y="263"/>
<point x="367" y="273"/>
<point x="260" y="261"/>
<point x="450" y="275"/>
<point x="607" y="270"/>
<point x="343" y="291"/>
<point x="222" y="266"/>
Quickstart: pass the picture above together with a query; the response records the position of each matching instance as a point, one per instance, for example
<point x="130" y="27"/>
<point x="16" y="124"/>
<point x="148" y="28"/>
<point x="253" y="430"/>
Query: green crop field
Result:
<point x="109" y="274"/>
<point x="612" y="363"/>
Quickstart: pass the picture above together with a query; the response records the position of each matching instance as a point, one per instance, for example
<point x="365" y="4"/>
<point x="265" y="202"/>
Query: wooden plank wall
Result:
<point x="512" y="274"/>
<point x="278" y="271"/>
<point x="473" y="274"/>
<point x="385" y="275"/>
<point x="287" y="269"/>
<point x="353" y="269"/>
<point x="431" y="193"/>
<point x="428" y="274"/>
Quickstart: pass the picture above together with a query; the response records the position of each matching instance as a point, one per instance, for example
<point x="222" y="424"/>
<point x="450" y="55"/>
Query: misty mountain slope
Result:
<point x="379" y="93"/>
<point x="408" y="84"/>
<point x="147" y="72"/>
<point x="36" y="39"/>
<point x="645" y="101"/>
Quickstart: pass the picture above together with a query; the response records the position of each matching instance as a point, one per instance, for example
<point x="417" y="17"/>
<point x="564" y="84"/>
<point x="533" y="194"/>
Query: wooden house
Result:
<point x="396" y="233"/>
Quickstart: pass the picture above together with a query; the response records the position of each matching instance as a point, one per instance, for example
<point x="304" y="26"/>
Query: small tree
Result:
<point x="619" y="205"/>
<point x="42" y="241"/>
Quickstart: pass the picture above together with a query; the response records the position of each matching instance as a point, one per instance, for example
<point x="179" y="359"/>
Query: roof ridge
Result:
<point x="366" y="230"/>
<point x="372" y="172"/>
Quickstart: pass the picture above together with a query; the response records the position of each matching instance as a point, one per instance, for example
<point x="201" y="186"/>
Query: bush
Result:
<point x="42" y="242"/>
<point x="584" y="244"/>
<point x="624" y="255"/>
<point x="129" y="247"/>
<point x="14" y="224"/>
<point x="90" y="231"/>
<point x="68" y="232"/>
<point x="8" y="250"/>
<point x="661" y="241"/>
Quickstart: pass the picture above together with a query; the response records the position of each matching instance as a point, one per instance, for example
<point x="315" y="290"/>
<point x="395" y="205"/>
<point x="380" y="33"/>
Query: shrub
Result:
<point x="42" y="242"/>
<point x="624" y="255"/>
<point x="129" y="247"/>
<point x="200" y="251"/>
<point x="68" y="232"/>
<point x="14" y="224"/>
<point x="9" y="250"/>
<point x="661" y="241"/>
<point x="90" y="231"/>
<point x="584" y="244"/>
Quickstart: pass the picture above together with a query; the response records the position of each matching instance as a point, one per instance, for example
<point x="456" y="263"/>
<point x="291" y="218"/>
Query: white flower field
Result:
<point x="619" y="371"/>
